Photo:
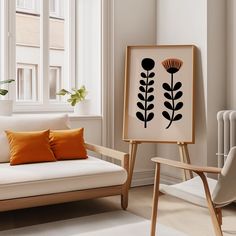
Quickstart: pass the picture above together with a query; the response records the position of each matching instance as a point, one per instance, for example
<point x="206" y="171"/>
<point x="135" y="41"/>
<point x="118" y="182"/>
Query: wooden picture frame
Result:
<point x="159" y="94"/>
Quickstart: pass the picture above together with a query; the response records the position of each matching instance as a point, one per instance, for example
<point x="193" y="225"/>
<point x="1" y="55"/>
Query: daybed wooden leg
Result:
<point x="211" y="207"/>
<point x="124" y="201"/>
<point x="155" y="199"/>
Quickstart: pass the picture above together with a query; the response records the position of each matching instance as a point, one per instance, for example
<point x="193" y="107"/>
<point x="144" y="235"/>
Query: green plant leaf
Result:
<point x="8" y="81"/>
<point x="3" y="92"/>
<point x="76" y="95"/>
<point x="63" y="92"/>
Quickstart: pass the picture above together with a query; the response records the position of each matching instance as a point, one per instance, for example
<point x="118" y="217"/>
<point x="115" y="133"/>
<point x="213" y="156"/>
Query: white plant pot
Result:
<point x="82" y="108"/>
<point x="6" y="107"/>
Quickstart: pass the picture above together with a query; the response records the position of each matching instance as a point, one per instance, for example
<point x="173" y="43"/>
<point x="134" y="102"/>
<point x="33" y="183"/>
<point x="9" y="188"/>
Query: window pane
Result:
<point x="56" y="8"/>
<point x="27" y="52"/>
<point x="54" y="82"/>
<point x="27" y="6"/>
<point x="57" y="53"/>
<point x="26" y="82"/>
<point x="52" y="6"/>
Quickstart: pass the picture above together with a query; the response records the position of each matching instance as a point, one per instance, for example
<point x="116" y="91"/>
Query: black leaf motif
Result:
<point x="177" y="86"/>
<point x="166" y="87"/>
<point x="178" y="106"/>
<point x="150" y="116"/>
<point x="143" y="75"/>
<point x="150" y="90"/>
<point x="151" y="82"/>
<point x="150" y="107"/>
<point x="142" y="82"/>
<point x="178" y="95"/>
<point x="152" y="74"/>
<point x="141" y="97"/>
<point x="167" y="95"/>
<point x="168" y="105"/>
<point x="150" y="98"/>
<point x="178" y="117"/>
<point x="166" y="115"/>
<point x="142" y="89"/>
<point x="140" y="105"/>
<point x="140" y="116"/>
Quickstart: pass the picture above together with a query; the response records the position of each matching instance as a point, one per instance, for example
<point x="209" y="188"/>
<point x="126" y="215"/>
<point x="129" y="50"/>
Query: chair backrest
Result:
<point x="225" y="190"/>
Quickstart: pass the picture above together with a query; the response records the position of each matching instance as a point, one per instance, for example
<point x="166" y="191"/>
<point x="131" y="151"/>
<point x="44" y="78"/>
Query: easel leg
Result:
<point x="184" y="157"/>
<point x="187" y="160"/>
<point x="155" y="199"/>
<point x="132" y="154"/>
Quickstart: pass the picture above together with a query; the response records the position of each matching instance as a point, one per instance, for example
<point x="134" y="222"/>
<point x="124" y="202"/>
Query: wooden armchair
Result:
<point x="217" y="193"/>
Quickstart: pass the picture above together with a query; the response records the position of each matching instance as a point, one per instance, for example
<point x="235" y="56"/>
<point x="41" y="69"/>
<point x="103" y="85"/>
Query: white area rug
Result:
<point x="116" y="223"/>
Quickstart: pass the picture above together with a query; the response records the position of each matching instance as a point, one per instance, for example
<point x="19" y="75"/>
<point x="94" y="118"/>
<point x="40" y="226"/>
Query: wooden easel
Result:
<point x="184" y="157"/>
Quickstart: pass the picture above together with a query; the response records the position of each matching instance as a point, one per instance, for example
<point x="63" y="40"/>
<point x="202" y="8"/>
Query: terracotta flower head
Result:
<point x="172" y="65"/>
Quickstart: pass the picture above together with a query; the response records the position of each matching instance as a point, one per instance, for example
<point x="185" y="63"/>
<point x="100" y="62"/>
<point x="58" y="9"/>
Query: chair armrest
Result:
<point x="121" y="156"/>
<point x="185" y="166"/>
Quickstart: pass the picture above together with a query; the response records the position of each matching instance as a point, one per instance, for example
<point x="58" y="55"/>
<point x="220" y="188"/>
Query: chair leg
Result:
<point x="211" y="207"/>
<point x="219" y="215"/>
<point x="155" y="199"/>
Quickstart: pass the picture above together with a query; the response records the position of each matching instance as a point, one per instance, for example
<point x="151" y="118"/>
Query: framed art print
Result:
<point x="159" y="94"/>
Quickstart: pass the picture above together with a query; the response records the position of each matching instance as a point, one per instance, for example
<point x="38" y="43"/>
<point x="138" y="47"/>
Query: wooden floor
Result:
<point x="140" y="203"/>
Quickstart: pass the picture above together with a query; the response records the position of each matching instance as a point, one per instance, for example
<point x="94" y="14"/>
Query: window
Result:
<point x="49" y="49"/>
<point x="49" y="45"/>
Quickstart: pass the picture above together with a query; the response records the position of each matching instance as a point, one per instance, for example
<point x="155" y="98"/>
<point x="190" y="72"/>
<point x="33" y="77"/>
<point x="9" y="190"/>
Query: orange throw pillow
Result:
<point x="68" y="144"/>
<point x="29" y="147"/>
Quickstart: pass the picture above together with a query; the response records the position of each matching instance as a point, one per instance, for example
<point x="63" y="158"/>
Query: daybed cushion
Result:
<point x="61" y="176"/>
<point x="28" y="123"/>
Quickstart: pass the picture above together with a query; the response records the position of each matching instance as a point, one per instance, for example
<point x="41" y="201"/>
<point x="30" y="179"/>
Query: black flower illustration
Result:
<point x="145" y="95"/>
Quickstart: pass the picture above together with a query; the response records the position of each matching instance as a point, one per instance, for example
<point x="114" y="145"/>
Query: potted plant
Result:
<point x="6" y="106"/>
<point x="77" y="99"/>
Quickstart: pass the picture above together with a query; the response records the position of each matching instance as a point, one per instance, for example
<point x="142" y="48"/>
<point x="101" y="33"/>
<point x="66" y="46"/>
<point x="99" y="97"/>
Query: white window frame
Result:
<point x="44" y="104"/>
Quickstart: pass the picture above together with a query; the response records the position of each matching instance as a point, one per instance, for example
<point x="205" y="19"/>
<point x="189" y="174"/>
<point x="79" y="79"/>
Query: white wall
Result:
<point x="231" y="54"/>
<point x="199" y="23"/>
<point x="134" y="24"/>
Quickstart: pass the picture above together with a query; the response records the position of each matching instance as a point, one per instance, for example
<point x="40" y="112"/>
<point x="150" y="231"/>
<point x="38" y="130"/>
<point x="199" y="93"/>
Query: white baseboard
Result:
<point x="146" y="177"/>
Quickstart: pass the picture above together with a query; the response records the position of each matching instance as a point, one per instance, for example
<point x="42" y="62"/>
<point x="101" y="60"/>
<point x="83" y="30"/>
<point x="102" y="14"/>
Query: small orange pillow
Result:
<point x="29" y="147"/>
<point x="68" y="144"/>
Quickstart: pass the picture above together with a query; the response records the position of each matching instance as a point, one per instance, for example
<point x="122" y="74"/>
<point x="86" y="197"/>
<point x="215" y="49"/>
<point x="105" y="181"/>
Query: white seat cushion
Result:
<point x="61" y="176"/>
<point x="191" y="190"/>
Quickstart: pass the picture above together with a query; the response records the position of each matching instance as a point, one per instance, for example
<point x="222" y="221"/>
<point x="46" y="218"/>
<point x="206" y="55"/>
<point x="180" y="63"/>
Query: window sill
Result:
<point x="72" y="115"/>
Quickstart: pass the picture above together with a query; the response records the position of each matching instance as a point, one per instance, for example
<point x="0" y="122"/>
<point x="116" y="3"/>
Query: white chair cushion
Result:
<point x="61" y="176"/>
<point x="28" y="123"/>
<point x="191" y="190"/>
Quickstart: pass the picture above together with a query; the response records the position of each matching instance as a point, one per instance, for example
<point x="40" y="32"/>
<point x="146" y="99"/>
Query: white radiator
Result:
<point x="226" y="134"/>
